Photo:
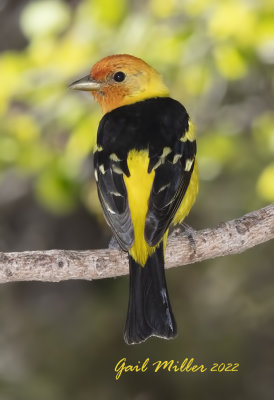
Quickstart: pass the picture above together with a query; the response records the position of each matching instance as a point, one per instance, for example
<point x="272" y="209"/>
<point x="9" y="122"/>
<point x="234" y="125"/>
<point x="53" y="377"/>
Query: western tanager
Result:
<point x="147" y="179"/>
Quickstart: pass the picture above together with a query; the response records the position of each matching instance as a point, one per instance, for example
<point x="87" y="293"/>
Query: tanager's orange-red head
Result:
<point x="120" y="80"/>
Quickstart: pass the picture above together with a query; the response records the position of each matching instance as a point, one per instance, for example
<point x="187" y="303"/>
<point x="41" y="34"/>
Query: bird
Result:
<point x="147" y="178"/>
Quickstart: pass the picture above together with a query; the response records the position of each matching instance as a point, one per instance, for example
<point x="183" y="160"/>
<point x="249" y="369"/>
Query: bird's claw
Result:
<point x="187" y="230"/>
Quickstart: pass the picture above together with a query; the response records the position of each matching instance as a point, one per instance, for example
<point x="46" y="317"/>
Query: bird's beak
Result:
<point x="86" y="84"/>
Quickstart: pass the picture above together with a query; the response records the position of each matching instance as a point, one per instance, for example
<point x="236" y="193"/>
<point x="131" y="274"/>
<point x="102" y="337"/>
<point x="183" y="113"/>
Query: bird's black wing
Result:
<point x="113" y="197"/>
<point x="173" y="167"/>
<point x="159" y="125"/>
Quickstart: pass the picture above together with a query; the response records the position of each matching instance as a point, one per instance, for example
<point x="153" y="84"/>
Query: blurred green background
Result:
<point x="62" y="341"/>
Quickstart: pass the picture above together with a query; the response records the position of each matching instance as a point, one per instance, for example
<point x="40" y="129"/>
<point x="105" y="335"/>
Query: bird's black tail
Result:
<point x="149" y="310"/>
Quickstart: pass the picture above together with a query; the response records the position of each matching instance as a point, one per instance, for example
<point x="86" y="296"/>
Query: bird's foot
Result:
<point x="187" y="230"/>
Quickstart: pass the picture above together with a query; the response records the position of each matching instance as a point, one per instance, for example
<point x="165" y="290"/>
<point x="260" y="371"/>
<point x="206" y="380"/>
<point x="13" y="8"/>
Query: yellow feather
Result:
<point x="138" y="187"/>
<point x="190" y="134"/>
<point x="189" y="197"/>
<point x="154" y="87"/>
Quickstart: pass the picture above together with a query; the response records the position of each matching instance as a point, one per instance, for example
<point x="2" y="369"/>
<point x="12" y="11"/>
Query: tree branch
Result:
<point x="231" y="237"/>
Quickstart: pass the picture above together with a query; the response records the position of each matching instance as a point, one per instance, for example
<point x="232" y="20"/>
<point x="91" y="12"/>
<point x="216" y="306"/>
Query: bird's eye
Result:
<point x="119" y="76"/>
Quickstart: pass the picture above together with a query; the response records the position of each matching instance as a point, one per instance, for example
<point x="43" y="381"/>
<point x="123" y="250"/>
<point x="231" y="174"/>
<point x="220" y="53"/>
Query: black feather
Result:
<point x="164" y="205"/>
<point x="113" y="197"/>
<point x="150" y="124"/>
<point x="149" y="309"/>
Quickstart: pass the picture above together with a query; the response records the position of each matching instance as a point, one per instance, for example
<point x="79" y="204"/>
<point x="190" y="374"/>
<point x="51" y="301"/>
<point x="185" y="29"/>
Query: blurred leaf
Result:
<point x="209" y="168"/>
<point x="162" y="8"/>
<point x="216" y="146"/>
<point x="12" y="66"/>
<point x="230" y="62"/>
<point x="263" y="132"/>
<point x="45" y="17"/>
<point x="83" y="138"/>
<point x="55" y="191"/>
<point x="24" y="128"/>
<point x="8" y="149"/>
<point x="265" y="184"/>
<point x="236" y="19"/>
<point x="195" y="80"/>
<point x="107" y="11"/>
